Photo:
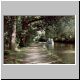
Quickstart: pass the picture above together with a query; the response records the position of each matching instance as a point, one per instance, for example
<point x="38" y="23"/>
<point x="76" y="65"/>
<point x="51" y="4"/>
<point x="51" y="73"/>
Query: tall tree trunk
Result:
<point x="13" y="40"/>
<point x="7" y="32"/>
<point x="25" y="27"/>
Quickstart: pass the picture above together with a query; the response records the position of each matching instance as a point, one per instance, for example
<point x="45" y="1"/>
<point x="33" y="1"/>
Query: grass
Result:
<point x="14" y="57"/>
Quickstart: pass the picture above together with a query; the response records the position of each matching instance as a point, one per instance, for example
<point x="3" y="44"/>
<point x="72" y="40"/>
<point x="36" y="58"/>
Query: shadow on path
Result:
<point x="35" y="54"/>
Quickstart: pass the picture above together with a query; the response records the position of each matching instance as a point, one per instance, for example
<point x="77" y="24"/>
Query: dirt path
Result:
<point x="35" y="54"/>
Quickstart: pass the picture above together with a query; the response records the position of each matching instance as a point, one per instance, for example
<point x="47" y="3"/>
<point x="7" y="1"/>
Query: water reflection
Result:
<point x="66" y="52"/>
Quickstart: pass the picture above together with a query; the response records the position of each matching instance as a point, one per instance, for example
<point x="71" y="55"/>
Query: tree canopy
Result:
<point x="22" y="29"/>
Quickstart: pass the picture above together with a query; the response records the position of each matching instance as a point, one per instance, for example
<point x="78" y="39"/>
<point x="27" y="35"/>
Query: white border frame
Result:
<point x="40" y="0"/>
<point x="44" y="63"/>
<point x="0" y="40"/>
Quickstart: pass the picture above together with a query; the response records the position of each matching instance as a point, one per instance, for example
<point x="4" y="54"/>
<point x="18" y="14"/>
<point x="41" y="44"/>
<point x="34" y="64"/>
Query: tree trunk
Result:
<point x="13" y="40"/>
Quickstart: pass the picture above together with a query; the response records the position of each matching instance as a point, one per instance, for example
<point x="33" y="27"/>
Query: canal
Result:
<point x="65" y="52"/>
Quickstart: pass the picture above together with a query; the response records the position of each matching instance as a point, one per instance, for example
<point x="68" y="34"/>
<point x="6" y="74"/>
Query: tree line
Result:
<point x="19" y="31"/>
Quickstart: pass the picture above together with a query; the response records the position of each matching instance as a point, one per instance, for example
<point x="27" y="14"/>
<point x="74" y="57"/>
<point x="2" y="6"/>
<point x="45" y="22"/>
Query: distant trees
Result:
<point x="61" y="28"/>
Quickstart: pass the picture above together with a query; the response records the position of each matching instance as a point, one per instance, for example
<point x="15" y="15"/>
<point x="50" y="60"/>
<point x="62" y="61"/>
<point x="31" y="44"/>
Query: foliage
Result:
<point x="59" y="28"/>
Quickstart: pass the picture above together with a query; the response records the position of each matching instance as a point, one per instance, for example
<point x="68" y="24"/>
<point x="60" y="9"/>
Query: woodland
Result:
<point x="26" y="35"/>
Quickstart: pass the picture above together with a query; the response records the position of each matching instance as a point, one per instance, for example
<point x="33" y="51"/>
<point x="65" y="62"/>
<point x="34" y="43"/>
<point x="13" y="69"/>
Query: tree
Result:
<point x="13" y="38"/>
<point x="7" y="32"/>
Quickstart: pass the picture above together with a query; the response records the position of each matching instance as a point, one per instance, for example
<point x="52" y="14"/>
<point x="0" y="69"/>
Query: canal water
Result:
<point x="66" y="52"/>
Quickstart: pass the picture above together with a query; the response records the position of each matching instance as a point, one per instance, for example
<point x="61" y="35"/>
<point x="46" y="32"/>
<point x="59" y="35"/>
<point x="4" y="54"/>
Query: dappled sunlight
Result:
<point x="37" y="54"/>
<point x="39" y="39"/>
<point x="68" y="51"/>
